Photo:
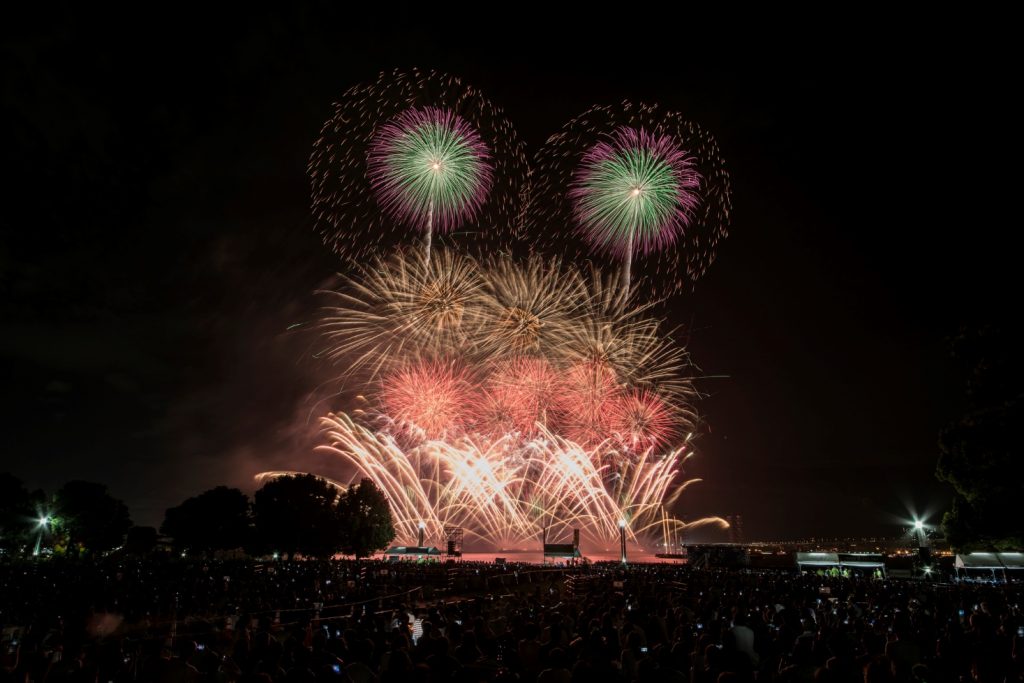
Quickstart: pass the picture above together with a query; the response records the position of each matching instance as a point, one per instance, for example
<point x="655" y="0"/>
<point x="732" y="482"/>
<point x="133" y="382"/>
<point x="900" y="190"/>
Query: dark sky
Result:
<point x="156" y="239"/>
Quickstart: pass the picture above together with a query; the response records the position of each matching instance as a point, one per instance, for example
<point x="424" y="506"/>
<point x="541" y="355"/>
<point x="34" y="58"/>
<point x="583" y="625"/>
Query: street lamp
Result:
<point x="42" y="524"/>
<point x="422" y="527"/>
<point x="919" y="532"/>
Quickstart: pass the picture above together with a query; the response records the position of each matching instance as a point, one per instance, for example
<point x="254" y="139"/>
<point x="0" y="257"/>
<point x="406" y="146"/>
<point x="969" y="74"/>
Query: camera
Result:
<point x="336" y="668"/>
<point x="643" y="649"/>
<point x="200" y="647"/>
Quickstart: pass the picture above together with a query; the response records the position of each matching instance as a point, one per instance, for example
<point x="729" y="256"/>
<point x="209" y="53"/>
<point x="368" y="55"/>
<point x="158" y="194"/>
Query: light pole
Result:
<point x="924" y="554"/>
<point x="42" y="525"/>
<point x="622" y="541"/>
<point x="422" y="527"/>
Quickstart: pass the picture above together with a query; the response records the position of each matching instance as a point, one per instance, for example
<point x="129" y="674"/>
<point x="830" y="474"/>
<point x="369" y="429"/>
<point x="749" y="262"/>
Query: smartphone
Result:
<point x="1020" y="631"/>
<point x="643" y="649"/>
<point x="700" y="627"/>
<point x="336" y="668"/>
<point x="962" y="613"/>
<point x="200" y="647"/>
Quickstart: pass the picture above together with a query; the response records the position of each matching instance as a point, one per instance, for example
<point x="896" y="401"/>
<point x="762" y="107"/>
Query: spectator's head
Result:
<point x="878" y="670"/>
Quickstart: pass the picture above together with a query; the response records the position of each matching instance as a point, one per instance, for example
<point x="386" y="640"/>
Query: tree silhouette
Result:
<point x="18" y="516"/>
<point x="217" y="519"/>
<point x="980" y="453"/>
<point x="89" y="517"/>
<point x="141" y="540"/>
<point x="366" y="519"/>
<point x="298" y="514"/>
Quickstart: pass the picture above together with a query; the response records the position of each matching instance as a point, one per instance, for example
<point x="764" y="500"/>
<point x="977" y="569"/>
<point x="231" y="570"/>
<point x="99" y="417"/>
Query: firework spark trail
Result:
<point x="559" y="184"/>
<point x="505" y="492"/>
<point x="345" y="204"/>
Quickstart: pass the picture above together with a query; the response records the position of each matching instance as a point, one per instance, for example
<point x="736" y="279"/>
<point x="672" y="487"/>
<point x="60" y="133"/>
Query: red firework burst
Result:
<point x="526" y="390"/>
<point x="641" y="420"/>
<point x="584" y="403"/>
<point x="428" y="399"/>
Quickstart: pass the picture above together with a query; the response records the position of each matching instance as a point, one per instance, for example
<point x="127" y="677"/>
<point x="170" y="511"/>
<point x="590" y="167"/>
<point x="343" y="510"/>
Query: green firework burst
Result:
<point x="429" y="167"/>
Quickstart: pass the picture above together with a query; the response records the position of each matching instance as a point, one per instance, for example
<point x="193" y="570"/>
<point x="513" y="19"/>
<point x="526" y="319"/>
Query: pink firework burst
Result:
<point x="641" y="420"/>
<point x="430" y="168"/>
<point x="527" y="389"/>
<point x="430" y="399"/>
<point x="584" y="402"/>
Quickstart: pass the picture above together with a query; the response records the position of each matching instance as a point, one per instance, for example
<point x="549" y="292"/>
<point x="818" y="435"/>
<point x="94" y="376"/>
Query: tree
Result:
<point x="298" y="514"/>
<point x="980" y="453"/>
<point x="218" y="519"/>
<point x="89" y="517"/>
<point x="366" y="519"/>
<point x="141" y="540"/>
<point x="18" y="516"/>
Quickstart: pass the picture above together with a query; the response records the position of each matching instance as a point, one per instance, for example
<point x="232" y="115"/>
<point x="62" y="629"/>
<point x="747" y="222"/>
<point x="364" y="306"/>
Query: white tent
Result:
<point x="990" y="561"/>
<point x="841" y="560"/>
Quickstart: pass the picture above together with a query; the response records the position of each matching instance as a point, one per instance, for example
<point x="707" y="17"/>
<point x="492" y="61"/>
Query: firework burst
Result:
<point x="429" y="399"/>
<point x="526" y="309"/>
<point x="634" y="180"/>
<point x="527" y="391"/>
<point x="583" y="404"/>
<point x="514" y="398"/>
<point x="536" y="319"/>
<point x="401" y="307"/>
<point x="372" y="167"/>
<point x="635" y="192"/>
<point x="641" y="421"/>
<point x="430" y="168"/>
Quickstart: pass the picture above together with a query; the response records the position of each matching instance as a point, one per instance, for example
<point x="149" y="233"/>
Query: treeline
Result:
<point x="288" y="516"/>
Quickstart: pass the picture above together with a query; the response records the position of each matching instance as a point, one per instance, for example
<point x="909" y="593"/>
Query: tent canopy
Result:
<point x="990" y="561"/>
<point x="412" y="550"/>
<point x="852" y="560"/>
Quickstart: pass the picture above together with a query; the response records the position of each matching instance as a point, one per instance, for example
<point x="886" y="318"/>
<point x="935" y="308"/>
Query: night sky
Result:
<point x="157" y="243"/>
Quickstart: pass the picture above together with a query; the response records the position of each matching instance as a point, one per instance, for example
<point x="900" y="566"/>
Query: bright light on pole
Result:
<point x="43" y="524"/>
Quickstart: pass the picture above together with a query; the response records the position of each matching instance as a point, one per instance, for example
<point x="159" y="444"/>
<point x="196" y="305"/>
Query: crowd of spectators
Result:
<point x="196" y="620"/>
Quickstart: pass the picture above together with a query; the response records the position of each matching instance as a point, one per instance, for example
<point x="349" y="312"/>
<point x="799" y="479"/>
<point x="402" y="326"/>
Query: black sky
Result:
<point x="157" y="241"/>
